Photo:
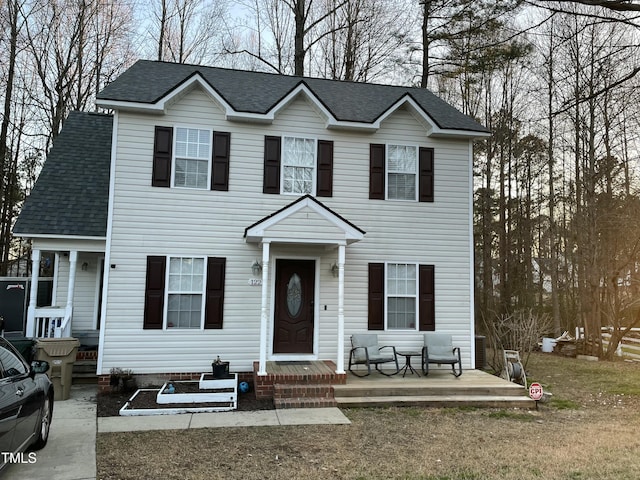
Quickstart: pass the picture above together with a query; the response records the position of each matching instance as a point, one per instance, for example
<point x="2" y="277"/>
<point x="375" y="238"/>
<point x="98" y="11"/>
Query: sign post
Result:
<point x="536" y="392"/>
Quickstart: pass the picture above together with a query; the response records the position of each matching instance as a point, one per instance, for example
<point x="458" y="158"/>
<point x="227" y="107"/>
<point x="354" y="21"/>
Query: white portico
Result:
<point x="303" y="222"/>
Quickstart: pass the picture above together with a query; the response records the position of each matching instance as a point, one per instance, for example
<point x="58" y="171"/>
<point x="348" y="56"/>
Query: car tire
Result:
<point x="44" y="425"/>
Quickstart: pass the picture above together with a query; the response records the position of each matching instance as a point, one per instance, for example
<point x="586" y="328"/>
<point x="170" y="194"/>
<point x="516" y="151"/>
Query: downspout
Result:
<point x="472" y="297"/>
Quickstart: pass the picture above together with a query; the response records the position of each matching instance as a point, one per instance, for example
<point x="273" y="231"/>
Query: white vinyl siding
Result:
<point x="185" y="292"/>
<point x="84" y="296"/>
<point x="402" y="172"/>
<point x="189" y="222"/>
<point x="401" y="296"/>
<point x="192" y="155"/>
<point x="298" y="165"/>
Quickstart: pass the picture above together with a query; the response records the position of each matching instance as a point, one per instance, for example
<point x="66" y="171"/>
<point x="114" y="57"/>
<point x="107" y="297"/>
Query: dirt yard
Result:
<point x="589" y="430"/>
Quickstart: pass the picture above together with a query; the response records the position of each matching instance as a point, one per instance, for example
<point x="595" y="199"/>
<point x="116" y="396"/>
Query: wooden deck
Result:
<point x="315" y="383"/>
<point x="439" y="389"/>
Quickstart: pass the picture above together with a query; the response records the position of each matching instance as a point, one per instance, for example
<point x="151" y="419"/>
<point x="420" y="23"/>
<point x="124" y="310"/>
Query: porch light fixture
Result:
<point x="85" y="266"/>
<point x="335" y="271"/>
<point x="256" y="268"/>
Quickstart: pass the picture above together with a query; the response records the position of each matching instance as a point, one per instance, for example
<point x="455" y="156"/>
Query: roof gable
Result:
<point x="306" y="220"/>
<point x="71" y="196"/>
<point x="257" y="96"/>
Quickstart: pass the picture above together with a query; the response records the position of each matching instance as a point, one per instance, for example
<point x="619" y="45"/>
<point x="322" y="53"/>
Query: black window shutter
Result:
<point x="376" y="171"/>
<point x="162" y="146"/>
<point x="214" y="302"/>
<point x="376" y="296"/>
<point x="154" y="293"/>
<point x="220" y="161"/>
<point x="271" y="182"/>
<point x="325" y="168"/>
<point x="427" y="304"/>
<point x="426" y="174"/>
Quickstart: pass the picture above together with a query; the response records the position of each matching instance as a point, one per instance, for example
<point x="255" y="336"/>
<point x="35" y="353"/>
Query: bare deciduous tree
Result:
<point x="363" y="40"/>
<point x="187" y="31"/>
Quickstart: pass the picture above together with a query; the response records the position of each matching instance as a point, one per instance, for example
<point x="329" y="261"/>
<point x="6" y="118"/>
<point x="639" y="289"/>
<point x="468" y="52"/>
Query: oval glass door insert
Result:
<point x="294" y="295"/>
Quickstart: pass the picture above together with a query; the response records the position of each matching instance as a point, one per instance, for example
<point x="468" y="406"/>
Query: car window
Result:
<point x="10" y="364"/>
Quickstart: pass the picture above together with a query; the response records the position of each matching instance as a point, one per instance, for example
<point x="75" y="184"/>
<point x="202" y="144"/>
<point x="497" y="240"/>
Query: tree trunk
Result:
<point x="299" y="50"/>
<point x="5" y="170"/>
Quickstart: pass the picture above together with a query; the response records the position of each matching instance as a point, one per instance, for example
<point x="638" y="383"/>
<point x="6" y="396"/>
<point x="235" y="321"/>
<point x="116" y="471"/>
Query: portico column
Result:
<point x="73" y="262"/>
<point x="264" y="316"/>
<point x="340" y="359"/>
<point x="33" y="293"/>
<point x="64" y="329"/>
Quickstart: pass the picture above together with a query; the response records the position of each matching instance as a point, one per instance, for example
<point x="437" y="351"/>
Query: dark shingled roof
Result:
<point x="256" y="92"/>
<point x="71" y="196"/>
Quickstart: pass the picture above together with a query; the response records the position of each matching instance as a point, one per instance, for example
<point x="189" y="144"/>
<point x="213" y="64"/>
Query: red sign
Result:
<point x="535" y="391"/>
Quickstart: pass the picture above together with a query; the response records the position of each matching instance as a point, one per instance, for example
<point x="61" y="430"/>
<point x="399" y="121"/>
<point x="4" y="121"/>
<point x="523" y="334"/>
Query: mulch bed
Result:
<point x="109" y="404"/>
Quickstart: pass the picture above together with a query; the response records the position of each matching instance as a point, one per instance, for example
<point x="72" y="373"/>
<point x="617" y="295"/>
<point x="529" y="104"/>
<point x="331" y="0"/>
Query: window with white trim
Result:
<point x="401" y="296"/>
<point x="298" y="165"/>
<point x="402" y="172"/>
<point x="185" y="292"/>
<point x="192" y="158"/>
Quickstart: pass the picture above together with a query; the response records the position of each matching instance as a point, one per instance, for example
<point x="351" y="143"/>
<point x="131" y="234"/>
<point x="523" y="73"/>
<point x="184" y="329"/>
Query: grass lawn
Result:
<point x="588" y="431"/>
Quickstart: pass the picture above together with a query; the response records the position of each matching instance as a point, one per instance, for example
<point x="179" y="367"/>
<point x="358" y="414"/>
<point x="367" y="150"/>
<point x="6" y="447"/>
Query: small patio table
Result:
<point x="407" y="362"/>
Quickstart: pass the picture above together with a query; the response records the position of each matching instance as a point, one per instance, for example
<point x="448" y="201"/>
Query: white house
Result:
<point x="255" y="217"/>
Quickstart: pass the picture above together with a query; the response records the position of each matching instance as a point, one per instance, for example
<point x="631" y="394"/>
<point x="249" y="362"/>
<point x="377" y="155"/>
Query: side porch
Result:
<point x="75" y="306"/>
<point x="76" y="298"/>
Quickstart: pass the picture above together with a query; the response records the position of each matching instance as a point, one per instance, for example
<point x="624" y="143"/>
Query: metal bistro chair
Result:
<point x="365" y="351"/>
<point x="438" y="348"/>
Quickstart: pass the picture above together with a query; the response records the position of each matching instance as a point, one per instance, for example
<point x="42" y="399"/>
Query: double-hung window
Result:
<point x="185" y="292"/>
<point x="192" y="156"/>
<point x="402" y="297"/>
<point x="402" y="172"/>
<point x="298" y="165"/>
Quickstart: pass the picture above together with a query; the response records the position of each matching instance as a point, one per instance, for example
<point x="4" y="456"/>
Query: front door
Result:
<point x="293" y="322"/>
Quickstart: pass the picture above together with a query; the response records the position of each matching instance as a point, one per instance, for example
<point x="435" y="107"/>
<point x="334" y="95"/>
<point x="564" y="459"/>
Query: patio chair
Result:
<point x="438" y="348"/>
<point x="365" y="351"/>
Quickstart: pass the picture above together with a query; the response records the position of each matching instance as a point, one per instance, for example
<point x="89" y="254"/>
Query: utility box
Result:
<point x="61" y="355"/>
<point x="24" y="345"/>
<point x="481" y="352"/>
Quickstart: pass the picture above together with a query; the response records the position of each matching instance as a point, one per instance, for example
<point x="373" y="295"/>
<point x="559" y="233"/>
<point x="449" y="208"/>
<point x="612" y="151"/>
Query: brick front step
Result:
<point x="307" y="402"/>
<point x="84" y="371"/>
<point x="302" y="391"/>
<point x="298" y="384"/>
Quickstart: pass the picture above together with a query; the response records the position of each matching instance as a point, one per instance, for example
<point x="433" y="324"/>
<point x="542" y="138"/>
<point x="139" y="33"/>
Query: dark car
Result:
<point x="26" y="404"/>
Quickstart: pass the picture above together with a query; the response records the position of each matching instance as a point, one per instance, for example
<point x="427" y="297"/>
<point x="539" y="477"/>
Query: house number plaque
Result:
<point x="255" y="282"/>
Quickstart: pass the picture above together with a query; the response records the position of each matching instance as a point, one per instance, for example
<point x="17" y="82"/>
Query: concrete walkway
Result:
<point x="71" y="452"/>
<point x="258" y="418"/>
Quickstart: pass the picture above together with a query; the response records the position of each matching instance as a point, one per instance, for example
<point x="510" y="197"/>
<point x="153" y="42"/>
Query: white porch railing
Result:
<point x="52" y="322"/>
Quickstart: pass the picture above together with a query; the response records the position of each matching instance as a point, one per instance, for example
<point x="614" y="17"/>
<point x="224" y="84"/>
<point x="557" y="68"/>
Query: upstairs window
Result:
<point x="193" y="151"/>
<point x="187" y="163"/>
<point x="299" y="165"/>
<point x="401" y="172"/>
<point x="402" y="169"/>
